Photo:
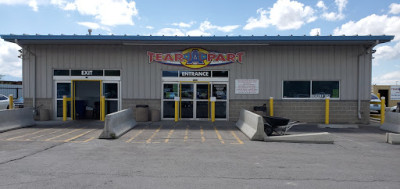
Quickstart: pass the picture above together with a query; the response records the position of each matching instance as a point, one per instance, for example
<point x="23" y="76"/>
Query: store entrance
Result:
<point x="195" y="101"/>
<point x="86" y="99"/>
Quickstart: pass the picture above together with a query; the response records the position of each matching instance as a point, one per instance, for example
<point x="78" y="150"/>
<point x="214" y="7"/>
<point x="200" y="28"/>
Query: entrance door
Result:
<point x="195" y="102"/>
<point x="87" y="99"/>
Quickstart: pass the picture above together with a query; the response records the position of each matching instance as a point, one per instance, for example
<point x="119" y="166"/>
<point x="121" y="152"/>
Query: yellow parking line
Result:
<point x="153" y="135"/>
<point x="137" y="134"/>
<point x="186" y="133"/>
<point x="89" y="139"/>
<point x="236" y="137"/>
<point x="219" y="136"/>
<point x="43" y="135"/>
<point x="203" y="139"/>
<point x="27" y="134"/>
<point x="169" y="135"/>
<point x="77" y="136"/>
<point x="62" y="134"/>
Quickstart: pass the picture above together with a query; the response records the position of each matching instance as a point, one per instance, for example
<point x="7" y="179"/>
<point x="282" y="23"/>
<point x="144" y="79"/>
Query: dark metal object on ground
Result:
<point x="279" y="125"/>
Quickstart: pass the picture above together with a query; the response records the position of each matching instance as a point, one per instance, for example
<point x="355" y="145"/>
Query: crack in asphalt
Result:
<point x="31" y="154"/>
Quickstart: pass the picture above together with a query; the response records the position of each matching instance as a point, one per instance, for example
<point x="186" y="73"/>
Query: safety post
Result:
<point x="177" y="99"/>
<point x="102" y="108"/>
<point x="11" y="102"/>
<point x="327" y="110"/>
<point x="213" y="99"/>
<point x="379" y="95"/>
<point x="382" y="110"/>
<point x="271" y="106"/>
<point x="64" y="108"/>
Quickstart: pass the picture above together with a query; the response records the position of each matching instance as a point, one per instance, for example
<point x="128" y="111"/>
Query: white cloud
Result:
<point x="394" y="8"/>
<point x="321" y="5"/>
<point x="183" y="24"/>
<point x="204" y="29"/>
<point x="108" y="12"/>
<point x="333" y="16"/>
<point x="387" y="52"/>
<point x="170" y="32"/>
<point x="197" y="32"/>
<point x="149" y="27"/>
<point x="94" y="26"/>
<point x="206" y="25"/>
<point x="315" y="32"/>
<point x="10" y="64"/>
<point x="388" y="78"/>
<point x="284" y="14"/>
<point x="31" y="3"/>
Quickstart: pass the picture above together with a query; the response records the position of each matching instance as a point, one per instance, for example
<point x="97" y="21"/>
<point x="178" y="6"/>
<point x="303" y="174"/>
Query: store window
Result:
<point x="296" y="89"/>
<point x="311" y="89"/>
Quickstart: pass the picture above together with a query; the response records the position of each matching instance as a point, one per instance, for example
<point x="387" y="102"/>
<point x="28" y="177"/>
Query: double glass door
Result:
<point x="195" y="99"/>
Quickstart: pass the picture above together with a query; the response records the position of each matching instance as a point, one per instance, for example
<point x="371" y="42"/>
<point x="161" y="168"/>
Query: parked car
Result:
<point x="4" y="102"/>
<point x="19" y="103"/>
<point x="375" y="107"/>
<point x="393" y="108"/>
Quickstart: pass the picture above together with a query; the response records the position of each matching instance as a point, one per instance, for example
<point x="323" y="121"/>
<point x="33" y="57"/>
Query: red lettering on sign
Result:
<point x="211" y="57"/>
<point x="220" y="57"/>
<point x="168" y="57"/>
<point x="230" y="57"/>
<point x="178" y="57"/>
<point x="158" y="57"/>
<point x="239" y="56"/>
<point x="150" y="54"/>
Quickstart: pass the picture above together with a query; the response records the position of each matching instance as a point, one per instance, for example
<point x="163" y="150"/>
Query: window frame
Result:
<point x="311" y="87"/>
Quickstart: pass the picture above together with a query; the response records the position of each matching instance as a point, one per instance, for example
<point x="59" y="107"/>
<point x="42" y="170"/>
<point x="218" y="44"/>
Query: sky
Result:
<point x="205" y="17"/>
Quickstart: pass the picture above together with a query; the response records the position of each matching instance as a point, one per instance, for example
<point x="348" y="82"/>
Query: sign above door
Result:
<point x="195" y="58"/>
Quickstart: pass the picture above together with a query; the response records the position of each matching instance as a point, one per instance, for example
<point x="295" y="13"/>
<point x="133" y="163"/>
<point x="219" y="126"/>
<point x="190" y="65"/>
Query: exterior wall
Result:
<point x="131" y="103"/>
<point x="44" y="103"/>
<point x="310" y="111"/>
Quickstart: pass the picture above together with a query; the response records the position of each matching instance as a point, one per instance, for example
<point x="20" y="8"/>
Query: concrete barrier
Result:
<point x="392" y="122"/>
<point x="392" y="138"/>
<point x="16" y="118"/>
<point x="118" y="123"/>
<point x="317" y="138"/>
<point x="251" y="124"/>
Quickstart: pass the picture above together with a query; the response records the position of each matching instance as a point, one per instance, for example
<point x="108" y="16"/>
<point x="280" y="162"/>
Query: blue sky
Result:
<point x="206" y="17"/>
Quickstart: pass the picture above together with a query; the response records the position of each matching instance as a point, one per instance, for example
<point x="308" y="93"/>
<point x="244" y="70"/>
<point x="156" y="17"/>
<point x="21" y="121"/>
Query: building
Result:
<point x="240" y="71"/>
<point x="11" y="88"/>
<point x="390" y="92"/>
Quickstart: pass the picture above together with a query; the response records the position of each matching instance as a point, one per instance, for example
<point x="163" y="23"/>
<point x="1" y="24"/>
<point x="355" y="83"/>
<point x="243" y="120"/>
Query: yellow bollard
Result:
<point x="102" y="108"/>
<point x="379" y="95"/>
<point x="382" y="110"/>
<point x="212" y="111"/>
<point x="271" y="106"/>
<point x="327" y="110"/>
<point x="64" y="108"/>
<point x="177" y="99"/>
<point x="11" y="102"/>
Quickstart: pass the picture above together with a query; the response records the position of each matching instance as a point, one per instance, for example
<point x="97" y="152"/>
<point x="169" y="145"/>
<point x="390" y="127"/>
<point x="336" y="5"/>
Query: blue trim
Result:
<point x="205" y="39"/>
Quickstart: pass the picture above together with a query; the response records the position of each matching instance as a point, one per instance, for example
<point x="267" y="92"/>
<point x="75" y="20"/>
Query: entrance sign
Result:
<point x="195" y="73"/>
<point x="195" y="58"/>
<point x="246" y="86"/>
<point x="395" y="92"/>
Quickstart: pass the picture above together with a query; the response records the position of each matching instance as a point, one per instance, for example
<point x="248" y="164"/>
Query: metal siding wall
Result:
<point x="141" y="80"/>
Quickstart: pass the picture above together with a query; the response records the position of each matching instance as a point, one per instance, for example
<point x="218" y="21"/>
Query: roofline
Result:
<point x="120" y="39"/>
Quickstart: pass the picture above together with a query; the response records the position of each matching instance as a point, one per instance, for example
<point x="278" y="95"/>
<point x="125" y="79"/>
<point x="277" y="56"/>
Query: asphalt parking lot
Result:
<point x="192" y="155"/>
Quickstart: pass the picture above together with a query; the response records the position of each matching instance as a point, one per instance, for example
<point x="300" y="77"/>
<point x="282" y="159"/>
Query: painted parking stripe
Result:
<point x="137" y="134"/>
<point x="237" y="138"/>
<point x="170" y="134"/>
<point x="77" y="136"/>
<point x="186" y="133"/>
<point x="153" y="135"/>
<point x="63" y="134"/>
<point x="27" y="134"/>
<point x="203" y="139"/>
<point x="219" y="135"/>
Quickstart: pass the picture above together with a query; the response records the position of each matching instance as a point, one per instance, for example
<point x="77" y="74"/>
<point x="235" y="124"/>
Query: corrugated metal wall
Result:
<point x="141" y="80"/>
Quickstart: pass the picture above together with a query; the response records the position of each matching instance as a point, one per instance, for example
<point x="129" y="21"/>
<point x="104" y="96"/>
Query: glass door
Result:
<point x="111" y="94"/>
<point x="62" y="88"/>
<point x="187" y="98"/>
<point x="202" y="100"/>
<point x="220" y="92"/>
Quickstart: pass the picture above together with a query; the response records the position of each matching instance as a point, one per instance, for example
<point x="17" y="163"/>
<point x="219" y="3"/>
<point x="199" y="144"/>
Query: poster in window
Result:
<point x="395" y="92"/>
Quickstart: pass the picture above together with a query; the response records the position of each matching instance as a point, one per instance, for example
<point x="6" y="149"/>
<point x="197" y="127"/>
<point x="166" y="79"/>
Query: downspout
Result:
<point x="34" y="71"/>
<point x="366" y="51"/>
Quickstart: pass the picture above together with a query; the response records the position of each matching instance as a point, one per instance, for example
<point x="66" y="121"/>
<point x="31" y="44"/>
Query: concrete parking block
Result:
<point x="393" y="138"/>
<point x="317" y="138"/>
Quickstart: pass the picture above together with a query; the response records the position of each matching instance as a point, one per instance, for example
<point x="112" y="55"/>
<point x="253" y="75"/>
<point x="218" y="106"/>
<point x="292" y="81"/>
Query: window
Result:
<point x="311" y="89"/>
<point x="296" y="89"/>
<point x="170" y="73"/>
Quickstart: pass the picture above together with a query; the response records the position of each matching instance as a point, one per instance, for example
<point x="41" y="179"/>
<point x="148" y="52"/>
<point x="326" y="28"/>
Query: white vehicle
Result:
<point x="4" y="102"/>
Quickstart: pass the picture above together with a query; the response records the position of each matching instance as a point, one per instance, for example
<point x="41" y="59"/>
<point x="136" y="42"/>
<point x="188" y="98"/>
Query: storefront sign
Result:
<point x="195" y="58"/>
<point x="246" y="86"/>
<point x="86" y="72"/>
<point x="394" y="92"/>
<point x="195" y="73"/>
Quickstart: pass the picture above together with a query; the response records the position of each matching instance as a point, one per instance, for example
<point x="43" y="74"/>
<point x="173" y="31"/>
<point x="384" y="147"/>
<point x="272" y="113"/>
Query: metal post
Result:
<point x="379" y="95"/>
<point x="102" y="108"/>
<point x="213" y="99"/>
<point x="11" y="102"/>
<point x="64" y="108"/>
<point x="382" y="110"/>
<point x="327" y="110"/>
<point x="177" y="99"/>
<point x="271" y="106"/>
